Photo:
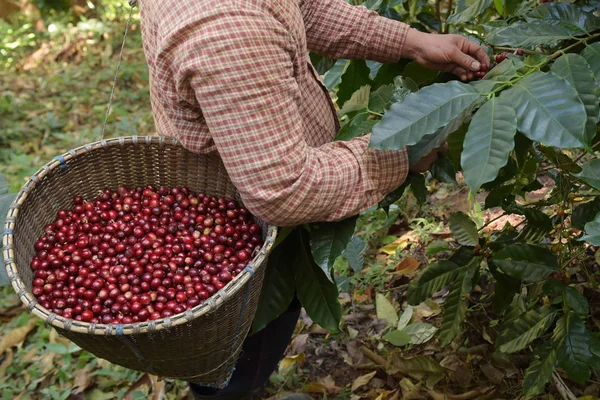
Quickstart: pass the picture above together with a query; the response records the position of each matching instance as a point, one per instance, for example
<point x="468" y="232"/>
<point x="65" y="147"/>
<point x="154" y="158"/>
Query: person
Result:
<point x="234" y="78"/>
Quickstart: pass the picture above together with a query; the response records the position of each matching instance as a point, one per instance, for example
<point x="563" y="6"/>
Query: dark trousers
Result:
<point x="260" y="355"/>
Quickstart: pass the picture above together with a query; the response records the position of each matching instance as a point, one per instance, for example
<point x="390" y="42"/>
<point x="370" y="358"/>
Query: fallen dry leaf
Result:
<point x="46" y="362"/>
<point x="289" y="363"/>
<point x="409" y="390"/>
<point x="83" y="380"/>
<point x="158" y="388"/>
<point x="315" y="387"/>
<point x="386" y="310"/>
<point x="388" y="395"/>
<point x="298" y="344"/>
<point x="493" y="374"/>
<point x="426" y="309"/>
<point x="408" y="266"/>
<point x="16" y="336"/>
<point x="362" y="380"/>
<point x="7" y="361"/>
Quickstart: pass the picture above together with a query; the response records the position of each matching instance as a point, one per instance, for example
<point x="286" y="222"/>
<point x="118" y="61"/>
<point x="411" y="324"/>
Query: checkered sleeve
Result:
<point x="337" y="29"/>
<point x="239" y="64"/>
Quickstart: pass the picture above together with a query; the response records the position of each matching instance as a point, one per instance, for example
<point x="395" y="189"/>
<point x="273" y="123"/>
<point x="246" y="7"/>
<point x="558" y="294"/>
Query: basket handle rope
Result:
<point x="132" y="4"/>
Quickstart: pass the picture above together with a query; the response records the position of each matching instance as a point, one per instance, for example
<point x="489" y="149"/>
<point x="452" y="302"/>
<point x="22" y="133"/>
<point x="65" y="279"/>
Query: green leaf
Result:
<point x="382" y="98"/>
<point x="354" y="77"/>
<point x="572" y="344"/>
<point x="397" y="338"/>
<point x="526" y="262"/>
<point x="422" y="112"/>
<point x="505" y="288"/>
<point x="360" y="125"/>
<point x="565" y="14"/>
<point x="333" y="77"/>
<point x="387" y="73"/>
<point x="540" y="370"/>
<point x="328" y="240"/>
<point x="530" y="34"/>
<point x="455" y="145"/>
<point x="576" y="301"/>
<point x="499" y="4"/>
<point x="443" y="170"/>
<point x="592" y="55"/>
<point x="592" y="231"/>
<point x="431" y="280"/>
<point x="397" y="193"/>
<point x="561" y="160"/>
<point x="505" y="71"/>
<point x="354" y="254"/>
<point x="575" y="69"/>
<point x="549" y="110"/>
<point x="595" y="349"/>
<point x="520" y="332"/>
<point x="318" y="295"/>
<point x="474" y="9"/>
<point x="455" y="307"/>
<point x="463" y="229"/>
<point x="358" y="101"/>
<point x="420" y="332"/>
<point x="405" y="318"/>
<point x="279" y="284"/>
<point x="591" y="173"/>
<point x="435" y="140"/>
<point x="437" y="247"/>
<point x="385" y="310"/>
<point x="585" y="213"/>
<point x="417" y="187"/>
<point x="488" y="142"/>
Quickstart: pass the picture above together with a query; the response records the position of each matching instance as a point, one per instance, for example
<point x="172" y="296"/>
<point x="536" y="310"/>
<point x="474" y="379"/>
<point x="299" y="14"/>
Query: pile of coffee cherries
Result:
<point x="140" y="254"/>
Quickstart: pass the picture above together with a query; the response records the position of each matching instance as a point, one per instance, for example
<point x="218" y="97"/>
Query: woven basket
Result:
<point x="201" y="345"/>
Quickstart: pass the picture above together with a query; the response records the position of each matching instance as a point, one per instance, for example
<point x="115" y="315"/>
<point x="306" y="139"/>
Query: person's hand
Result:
<point x="425" y="163"/>
<point x="448" y="53"/>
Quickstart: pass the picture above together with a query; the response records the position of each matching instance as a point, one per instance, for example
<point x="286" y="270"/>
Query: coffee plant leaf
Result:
<point x="420" y="332"/>
<point x="418" y="188"/>
<point x="505" y="71"/>
<point x="595" y="349"/>
<point x="488" y="142"/>
<point x="433" y="278"/>
<point x="328" y="240"/>
<point x="471" y="12"/>
<point x="572" y="343"/>
<point x="354" y="77"/>
<point x="333" y="77"/>
<point x="592" y="231"/>
<point x="576" y="70"/>
<point x="540" y="370"/>
<point x="576" y="301"/>
<point x="526" y="262"/>
<point x="592" y="55"/>
<point x="358" y="101"/>
<point x="530" y="34"/>
<point x="591" y="173"/>
<point x="455" y="145"/>
<point x="279" y="282"/>
<point x="463" y="229"/>
<point x="397" y="338"/>
<point x="358" y="126"/>
<point x="443" y="170"/>
<point x="396" y="194"/>
<point x="568" y="15"/>
<point x="316" y="292"/>
<point x="432" y="141"/>
<point x="549" y="110"/>
<point x="382" y="98"/>
<point x="455" y="306"/>
<point x="427" y="110"/>
<point x="520" y="332"/>
<point x="354" y="254"/>
<point x="504" y="290"/>
<point x="560" y="159"/>
<point x="585" y="213"/>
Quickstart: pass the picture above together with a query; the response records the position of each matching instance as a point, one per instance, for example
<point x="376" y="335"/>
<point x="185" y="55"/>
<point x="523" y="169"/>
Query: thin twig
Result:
<point x="564" y="391"/>
<point x="448" y="12"/>
<point x="503" y="48"/>
<point x="373" y="356"/>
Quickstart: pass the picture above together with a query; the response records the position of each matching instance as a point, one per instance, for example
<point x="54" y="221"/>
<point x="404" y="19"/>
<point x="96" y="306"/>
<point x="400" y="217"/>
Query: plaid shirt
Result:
<point x="235" y="77"/>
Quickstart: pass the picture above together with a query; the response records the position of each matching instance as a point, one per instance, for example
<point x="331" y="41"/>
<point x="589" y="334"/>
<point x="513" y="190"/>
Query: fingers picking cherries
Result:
<point x="132" y="255"/>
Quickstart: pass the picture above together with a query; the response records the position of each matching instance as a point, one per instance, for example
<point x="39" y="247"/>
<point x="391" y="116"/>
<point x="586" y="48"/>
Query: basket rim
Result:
<point x="28" y="299"/>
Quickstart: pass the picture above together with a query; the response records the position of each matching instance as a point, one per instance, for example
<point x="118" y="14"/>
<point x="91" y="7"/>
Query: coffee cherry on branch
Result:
<point x="132" y="255"/>
<point x="500" y="57"/>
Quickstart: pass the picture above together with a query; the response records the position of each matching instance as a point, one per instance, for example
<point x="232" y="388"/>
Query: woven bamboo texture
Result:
<point x="201" y="345"/>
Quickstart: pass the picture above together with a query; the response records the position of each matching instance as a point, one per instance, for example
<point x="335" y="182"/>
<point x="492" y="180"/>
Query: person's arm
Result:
<point x="239" y="65"/>
<point x="336" y="29"/>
